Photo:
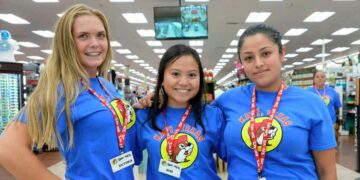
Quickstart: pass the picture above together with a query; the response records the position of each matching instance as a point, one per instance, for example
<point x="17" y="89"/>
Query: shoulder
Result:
<point x="302" y="94"/>
<point x="142" y="114"/>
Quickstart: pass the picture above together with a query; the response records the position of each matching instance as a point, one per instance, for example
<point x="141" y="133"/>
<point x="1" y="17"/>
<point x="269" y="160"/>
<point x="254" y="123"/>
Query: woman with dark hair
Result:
<point x="266" y="136"/>
<point x="179" y="131"/>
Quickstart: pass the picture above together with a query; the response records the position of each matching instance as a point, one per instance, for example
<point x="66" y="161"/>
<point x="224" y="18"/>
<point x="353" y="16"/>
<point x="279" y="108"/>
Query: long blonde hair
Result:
<point x="60" y="79"/>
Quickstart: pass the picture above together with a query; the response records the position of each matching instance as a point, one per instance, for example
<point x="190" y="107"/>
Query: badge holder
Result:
<point x="170" y="168"/>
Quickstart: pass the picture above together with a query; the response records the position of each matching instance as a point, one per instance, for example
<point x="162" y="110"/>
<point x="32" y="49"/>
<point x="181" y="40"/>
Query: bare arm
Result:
<point x="325" y="164"/>
<point x="16" y="155"/>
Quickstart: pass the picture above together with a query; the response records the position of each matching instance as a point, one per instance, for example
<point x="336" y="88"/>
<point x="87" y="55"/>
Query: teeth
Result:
<point x="92" y="53"/>
<point x="182" y="90"/>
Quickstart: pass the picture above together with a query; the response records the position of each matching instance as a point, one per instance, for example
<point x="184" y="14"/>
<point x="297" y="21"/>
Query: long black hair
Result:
<point x="197" y="102"/>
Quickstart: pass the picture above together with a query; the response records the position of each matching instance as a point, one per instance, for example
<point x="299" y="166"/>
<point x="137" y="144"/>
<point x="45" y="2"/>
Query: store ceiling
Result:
<point x="226" y="17"/>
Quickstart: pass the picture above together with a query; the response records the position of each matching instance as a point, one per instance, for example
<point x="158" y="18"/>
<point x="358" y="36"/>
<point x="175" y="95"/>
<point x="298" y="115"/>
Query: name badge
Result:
<point x="169" y="168"/>
<point x="122" y="161"/>
<point x="262" y="178"/>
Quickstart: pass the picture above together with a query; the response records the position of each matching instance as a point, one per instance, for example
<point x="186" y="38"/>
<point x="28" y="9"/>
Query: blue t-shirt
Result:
<point x="194" y="149"/>
<point x="301" y="125"/>
<point x="95" y="140"/>
<point x="331" y="100"/>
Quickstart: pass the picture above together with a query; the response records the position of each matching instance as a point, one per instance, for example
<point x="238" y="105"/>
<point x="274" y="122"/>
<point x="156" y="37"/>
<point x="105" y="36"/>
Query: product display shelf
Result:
<point x="303" y="77"/>
<point x="349" y="106"/>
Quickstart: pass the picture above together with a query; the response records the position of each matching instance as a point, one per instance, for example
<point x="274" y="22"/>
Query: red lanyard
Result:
<point x="121" y="134"/>
<point x="318" y="92"/>
<point x="260" y="158"/>
<point x="170" y="138"/>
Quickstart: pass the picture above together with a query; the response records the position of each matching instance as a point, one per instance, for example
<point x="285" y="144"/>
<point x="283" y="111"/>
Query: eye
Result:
<point x="248" y="58"/>
<point x="175" y="74"/>
<point x="266" y="53"/>
<point x="192" y="75"/>
<point x="83" y="36"/>
<point x="101" y="35"/>
<point x="181" y="146"/>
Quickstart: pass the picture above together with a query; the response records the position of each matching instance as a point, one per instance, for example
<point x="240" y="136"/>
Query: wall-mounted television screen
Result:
<point x="181" y="22"/>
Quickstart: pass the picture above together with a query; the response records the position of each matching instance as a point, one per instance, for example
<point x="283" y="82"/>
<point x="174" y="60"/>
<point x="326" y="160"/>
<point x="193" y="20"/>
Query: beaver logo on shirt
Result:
<point x="185" y="150"/>
<point x="129" y="110"/>
<point x="182" y="149"/>
<point x="260" y="131"/>
<point x="275" y="133"/>
<point x="326" y="99"/>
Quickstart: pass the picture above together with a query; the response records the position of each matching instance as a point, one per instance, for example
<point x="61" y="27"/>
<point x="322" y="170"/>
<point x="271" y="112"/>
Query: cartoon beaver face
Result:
<point x="260" y="130"/>
<point x="182" y="149"/>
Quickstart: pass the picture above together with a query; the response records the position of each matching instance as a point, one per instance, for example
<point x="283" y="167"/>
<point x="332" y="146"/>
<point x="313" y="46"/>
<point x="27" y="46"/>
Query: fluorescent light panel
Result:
<point x="234" y="43"/>
<point x="18" y="52"/>
<point x="224" y="60"/>
<point x="146" y="32"/>
<point x="154" y="43"/>
<point x="321" y="41"/>
<point x="295" y="32"/>
<point x="284" y="41"/>
<point x="240" y="32"/>
<point x="231" y="50"/>
<point x="291" y="55"/>
<point x="159" y="51"/>
<point x="139" y="61"/>
<point x="304" y="49"/>
<point x="227" y="56"/>
<point x="196" y="43"/>
<point x="44" y="33"/>
<point x="357" y="42"/>
<point x="135" y="18"/>
<point x="46" y="51"/>
<point x="339" y="49"/>
<point x="257" y="17"/>
<point x="123" y="51"/>
<point x="13" y="19"/>
<point x="297" y="63"/>
<point x="35" y="57"/>
<point x="199" y="50"/>
<point x="115" y="44"/>
<point x="28" y="44"/>
<point x="344" y="31"/>
<point x="322" y="55"/>
<point x="121" y="0"/>
<point x="318" y="16"/>
<point x="309" y="59"/>
<point x="132" y="57"/>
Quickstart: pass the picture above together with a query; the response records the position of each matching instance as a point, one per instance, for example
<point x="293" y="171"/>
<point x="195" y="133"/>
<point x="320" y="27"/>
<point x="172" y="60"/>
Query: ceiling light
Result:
<point x="113" y="61"/>
<point x="44" y="33"/>
<point x="139" y="61"/>
<point x="159" y="51"/>
<point x="154" y="43"/>
<point x="339" y="49"/>
<point x="344" y="31"/>
<point x="35" y="57"/>
<point x="270" y="0"/>
<point x="121" y="0"/>
<point x="199" y="50"/>
<point x="144" y="65"/>
<point x="231" y="50"/>
<point x="291" y="55"/>
<point x="46" y="1"/>
<point x="284" y="41"/>
<point x="227" y="56"/>
<point x="288" y="66"/>
<point x="356" y="42"/>
<point x="221" y="64"/>
<point x="308" y="59"/>
<point x="18" y="52"/>
<point x="60" y="15"/>
<point x="224" y="60"/>
<point x="115" y="44"/>
<point x="234" y="43"/>
<point x="304" y="49"/>
<point x="136" y="18"/>
<point x="160" y="56"/>
<point x="321" y="41"/>
<point x="318" y="16"/>
<point x="123" y="51"/>
<point x="240" y="32"/>
<point x="132" y="57"/>
<point x="295" y="32"/>
<point x="46" y="51"/>
<point x="28" y="44"/>
<point x="297" y="63"/>
<point x="196" y="43"/>
<point x="13" y="19"/>
<point x="257" y="17"/>
<point x="146" y="32"/>
<point x="322" y="55"/>
<point x="118" y="65"/>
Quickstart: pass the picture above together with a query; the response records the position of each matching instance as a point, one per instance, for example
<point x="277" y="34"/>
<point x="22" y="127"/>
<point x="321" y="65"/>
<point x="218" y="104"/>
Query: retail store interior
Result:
<point x="317" y="34"/>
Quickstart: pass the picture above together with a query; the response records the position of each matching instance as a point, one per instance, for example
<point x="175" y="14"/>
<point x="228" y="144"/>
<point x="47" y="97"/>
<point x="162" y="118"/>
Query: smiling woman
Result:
<point x="74" y="108"/>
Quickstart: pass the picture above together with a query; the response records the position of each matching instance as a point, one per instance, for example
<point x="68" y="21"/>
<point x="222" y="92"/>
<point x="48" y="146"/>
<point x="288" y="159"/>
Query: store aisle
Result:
<point x="345" y="158"/>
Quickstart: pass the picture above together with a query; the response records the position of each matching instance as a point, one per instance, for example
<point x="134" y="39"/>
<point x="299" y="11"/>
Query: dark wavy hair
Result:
<point x="197" y="102"/>
<point x="268" y="31"/>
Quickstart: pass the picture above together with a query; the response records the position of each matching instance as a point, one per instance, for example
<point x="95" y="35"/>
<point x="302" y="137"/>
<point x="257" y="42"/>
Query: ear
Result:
<point x="282" y="55"/>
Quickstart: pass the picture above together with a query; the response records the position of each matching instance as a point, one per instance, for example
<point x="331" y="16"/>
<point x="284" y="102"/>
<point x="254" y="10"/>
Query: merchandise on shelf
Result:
<point x="303" y="77"/>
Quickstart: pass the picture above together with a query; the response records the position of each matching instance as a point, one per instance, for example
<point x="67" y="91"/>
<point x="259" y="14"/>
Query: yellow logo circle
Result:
<point x="185" y="150"/>
<point x="326" y="99"/>
<point x="275" y="133"/>
<point x="129" y="110"/>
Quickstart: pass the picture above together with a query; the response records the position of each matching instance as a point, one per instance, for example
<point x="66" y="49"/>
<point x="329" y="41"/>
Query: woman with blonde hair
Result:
<point x="74" y="108"/>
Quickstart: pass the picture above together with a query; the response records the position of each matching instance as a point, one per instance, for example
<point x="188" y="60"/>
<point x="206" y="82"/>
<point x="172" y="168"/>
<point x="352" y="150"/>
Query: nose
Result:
<point x="258" y="62"/>
<point x="94" y="42"/>
<point x="183" y="80"/>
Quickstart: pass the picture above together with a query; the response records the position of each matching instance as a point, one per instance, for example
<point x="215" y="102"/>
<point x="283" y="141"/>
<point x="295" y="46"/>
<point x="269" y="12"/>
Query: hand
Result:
<point x="144" y="102"/>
